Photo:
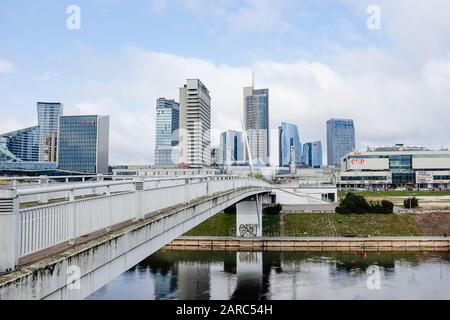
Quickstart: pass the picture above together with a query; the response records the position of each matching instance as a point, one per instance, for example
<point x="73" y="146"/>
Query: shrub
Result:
<point x="276" y="209"/>
<point x="411" y="203"/>
<point x="353" y="203"/>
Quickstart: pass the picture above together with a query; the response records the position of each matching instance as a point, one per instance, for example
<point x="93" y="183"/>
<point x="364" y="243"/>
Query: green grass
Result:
<point x="221" y="225"/>
<point x="315" y="225"/>
<point x="394" y="193"/>
<point x="337" y="225"/>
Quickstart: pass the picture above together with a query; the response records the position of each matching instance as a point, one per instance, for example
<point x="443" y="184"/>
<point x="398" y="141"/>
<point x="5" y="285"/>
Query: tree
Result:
<point x="411" y="203"/>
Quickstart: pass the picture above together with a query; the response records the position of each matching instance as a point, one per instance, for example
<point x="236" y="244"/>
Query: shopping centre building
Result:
<point x="395" y="167"/>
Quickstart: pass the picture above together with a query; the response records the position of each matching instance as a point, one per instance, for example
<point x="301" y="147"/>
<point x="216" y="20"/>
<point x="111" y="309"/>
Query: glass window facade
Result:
<point x="48" y="122"/>
<point x="340" y="140"/>
<point x="83" y="144"/>
<point x="256" y="113"/>
<point x="167" y="125"/>
<point x="289" y="137"/>
<point x="231" y="150"/>
<point x="312" y="154"/>
<point x="24" y="144"/>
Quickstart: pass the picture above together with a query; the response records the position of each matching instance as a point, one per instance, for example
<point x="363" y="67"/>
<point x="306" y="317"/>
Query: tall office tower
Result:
<point x="48" y="122"/>
<point x="256" y="122"/>
<point x="167" y="125"/>
<point x="23" y="144"/>
<point x="231" y="148"/>
<point x="83" y="144"/>
<point x="312" y="154"/>
<point x="289" y="137"/>
<point x="195" y="124"/>
<point x="340" y="140"/>
<point x="51" y="146"/>
<point x="215" y="156"/>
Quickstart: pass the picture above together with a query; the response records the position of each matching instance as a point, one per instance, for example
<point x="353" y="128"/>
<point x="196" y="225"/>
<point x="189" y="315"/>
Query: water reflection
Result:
<point x="282" y="275"/>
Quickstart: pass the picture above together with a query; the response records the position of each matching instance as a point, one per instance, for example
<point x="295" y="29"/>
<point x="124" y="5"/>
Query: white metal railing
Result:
<point x="110" y="203"/>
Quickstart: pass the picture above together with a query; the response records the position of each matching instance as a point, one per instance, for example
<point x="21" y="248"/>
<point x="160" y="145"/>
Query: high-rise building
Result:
<point x="289" y="137"/>
<point x="23" y="144"/>
<point x="83" y="144"/>
<point x="231" y="150"/>
<point x="167" y="125"/>
<point x="215" y="156"/>
<point x="340" y="140"/>
<point x="195" y="124"/>
<point x="48" y="122"/>
<point x="312" y="154"/>
<point x="256" y="121"/>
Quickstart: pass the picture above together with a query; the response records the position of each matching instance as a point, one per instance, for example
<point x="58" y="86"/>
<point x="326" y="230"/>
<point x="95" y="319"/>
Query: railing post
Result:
<point x="43" y="182"/>
<point x="108" y="194"/>
<point x="9" y="229"/>
<point x="139" y="189"/>
<point x="73" y="218"/>
<point x="187" y="191"/>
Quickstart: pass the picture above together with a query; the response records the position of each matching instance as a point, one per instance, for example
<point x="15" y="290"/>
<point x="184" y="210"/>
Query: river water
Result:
<point x="283" y="275"/>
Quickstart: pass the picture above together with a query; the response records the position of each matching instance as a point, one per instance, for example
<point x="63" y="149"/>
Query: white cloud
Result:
<point x="388" y="106"/>
<point x="46" y="76"/>
<point x="6" y="66"/>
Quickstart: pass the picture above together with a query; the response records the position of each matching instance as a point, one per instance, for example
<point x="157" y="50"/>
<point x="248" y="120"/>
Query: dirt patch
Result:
<point x="433" y="224"/>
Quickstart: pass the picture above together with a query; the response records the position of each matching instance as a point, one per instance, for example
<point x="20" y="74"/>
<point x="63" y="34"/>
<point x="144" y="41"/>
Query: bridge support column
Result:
<point x="9" y="227"/>
<point x="43" y="182"/>
<point x="249" y="217"/>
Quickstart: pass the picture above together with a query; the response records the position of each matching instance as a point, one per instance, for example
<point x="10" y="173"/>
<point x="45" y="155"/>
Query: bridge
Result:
<point x="66" y="240"/>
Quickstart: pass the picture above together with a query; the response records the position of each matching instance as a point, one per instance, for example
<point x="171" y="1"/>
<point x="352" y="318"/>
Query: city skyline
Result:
<point x="313" y="72"/>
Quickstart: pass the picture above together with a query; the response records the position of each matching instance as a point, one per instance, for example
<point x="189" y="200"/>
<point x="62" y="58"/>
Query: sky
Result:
<point x="388" y="69"/>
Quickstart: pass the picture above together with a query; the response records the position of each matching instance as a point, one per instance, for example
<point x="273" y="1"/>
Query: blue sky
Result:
<point x="318" y="58"/>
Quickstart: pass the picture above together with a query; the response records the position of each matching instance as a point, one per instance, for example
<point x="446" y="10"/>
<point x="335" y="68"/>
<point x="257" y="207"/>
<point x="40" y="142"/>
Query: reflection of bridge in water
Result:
<point x="213" y="275"/>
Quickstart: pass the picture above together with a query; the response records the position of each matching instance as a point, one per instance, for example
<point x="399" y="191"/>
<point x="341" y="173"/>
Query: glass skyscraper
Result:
<point x="312" y="154"/>
<point x="340" y="140"/>
<point x="231" y="150"/>
<point x="83" y="144"/>
<point x="288" y="138"/>
<point x="167" y="125"/>
<point x="256" y="121"/>
<point x="23" y="144"/>
<point x="48" y="122"/>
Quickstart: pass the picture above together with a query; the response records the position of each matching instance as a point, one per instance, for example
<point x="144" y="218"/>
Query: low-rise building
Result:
<point x="395" y="167"/>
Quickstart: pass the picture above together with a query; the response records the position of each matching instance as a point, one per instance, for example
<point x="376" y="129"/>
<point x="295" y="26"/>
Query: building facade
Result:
<point x="48" y="122"/>
<point x="396" y="167"/>
<point x="312" y="154"/>
<point x="340" y="140"/>
<point x="231" y="150"/>
<point x="195" y="124"/>
<point x="289" y="139"/>
<point x="23" y="144"/>
<point x="166" y="135"/>
<point x="83" y="144"/>
<point x="256" y="121"/>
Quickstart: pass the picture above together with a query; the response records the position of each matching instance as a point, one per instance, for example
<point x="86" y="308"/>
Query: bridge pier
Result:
<point x="9" y="220"/>
<point x="249" y="217"/>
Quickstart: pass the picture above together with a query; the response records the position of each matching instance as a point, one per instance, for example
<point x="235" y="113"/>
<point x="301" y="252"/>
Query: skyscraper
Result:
<point x="167" y="125"/>
<point x="195" y="124"/>
<point x="288" y="138"/>
<point x="83" y="144"/>
<point x="340" y="140"/>
<point x="312" y="154"/>
<point x="48" y="122"/>
<point x="231" y="150"/>
<point x="256" y="122"/>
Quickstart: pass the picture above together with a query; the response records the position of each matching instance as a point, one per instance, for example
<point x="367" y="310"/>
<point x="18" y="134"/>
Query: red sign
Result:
<point x="358" y="162"/>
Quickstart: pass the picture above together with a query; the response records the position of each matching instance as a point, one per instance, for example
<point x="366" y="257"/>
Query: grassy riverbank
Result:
<point x="316" y="225"/>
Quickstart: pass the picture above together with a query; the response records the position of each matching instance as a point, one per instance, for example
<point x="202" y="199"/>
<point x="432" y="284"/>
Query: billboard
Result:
<point x="424" y="177"/>
<point x="373" y="164"/>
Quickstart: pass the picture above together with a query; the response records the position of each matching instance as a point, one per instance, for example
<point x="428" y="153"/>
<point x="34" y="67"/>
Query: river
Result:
<point x="216" y="275"/>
